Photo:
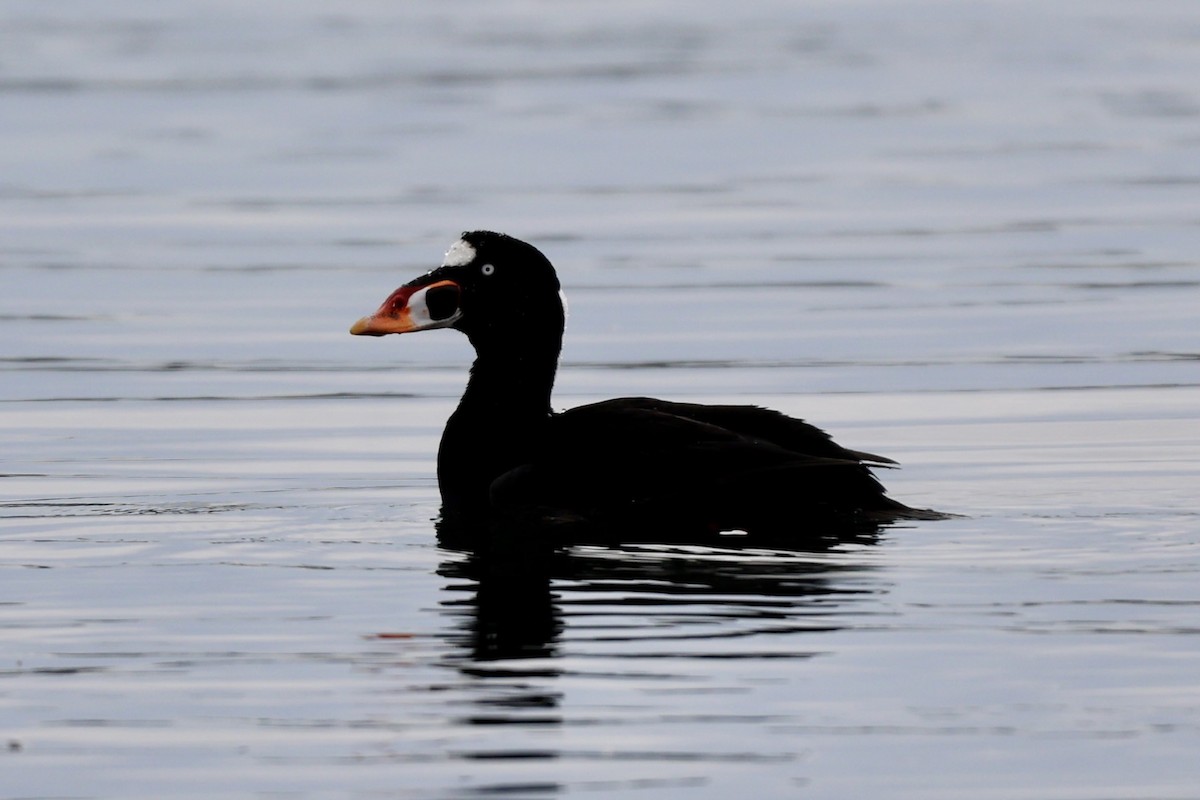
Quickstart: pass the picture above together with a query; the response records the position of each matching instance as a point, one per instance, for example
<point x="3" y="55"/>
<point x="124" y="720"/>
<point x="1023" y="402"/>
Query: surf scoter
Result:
<point x="632" y="467"/>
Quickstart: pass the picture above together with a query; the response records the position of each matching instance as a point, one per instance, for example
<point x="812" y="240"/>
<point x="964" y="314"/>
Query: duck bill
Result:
<point x="414" y="308"/>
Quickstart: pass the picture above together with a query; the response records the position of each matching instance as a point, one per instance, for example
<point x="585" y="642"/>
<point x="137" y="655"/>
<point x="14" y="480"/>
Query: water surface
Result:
<point x="963" y="236"/>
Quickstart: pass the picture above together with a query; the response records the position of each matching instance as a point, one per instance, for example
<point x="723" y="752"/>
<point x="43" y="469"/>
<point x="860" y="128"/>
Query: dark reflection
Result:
<point x="513" y="594"/>
<point x="508" y="604"/>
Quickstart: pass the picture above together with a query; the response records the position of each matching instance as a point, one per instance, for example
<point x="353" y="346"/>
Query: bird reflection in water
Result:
<point x="516" y="595"/>
<point x="684" y="509"/>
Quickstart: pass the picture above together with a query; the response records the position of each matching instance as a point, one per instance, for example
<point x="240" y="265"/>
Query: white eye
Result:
<point x="487" y="269"/>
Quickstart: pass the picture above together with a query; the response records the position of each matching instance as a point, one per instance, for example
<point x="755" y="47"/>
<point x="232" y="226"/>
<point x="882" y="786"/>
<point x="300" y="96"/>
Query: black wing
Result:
<point x="717" y="467"/>
<point x="753" y="422"/>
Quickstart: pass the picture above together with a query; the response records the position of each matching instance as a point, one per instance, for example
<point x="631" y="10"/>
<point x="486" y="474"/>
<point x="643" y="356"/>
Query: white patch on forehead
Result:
<point x="460" y="254"/>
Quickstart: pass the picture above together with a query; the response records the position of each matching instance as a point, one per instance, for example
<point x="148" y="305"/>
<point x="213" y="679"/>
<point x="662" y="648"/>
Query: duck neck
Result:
<point x="498" y="423"/>
<point x="512" y="388"/>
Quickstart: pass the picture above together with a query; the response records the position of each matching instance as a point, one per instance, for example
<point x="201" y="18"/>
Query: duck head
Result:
<point x="490" y="286"/>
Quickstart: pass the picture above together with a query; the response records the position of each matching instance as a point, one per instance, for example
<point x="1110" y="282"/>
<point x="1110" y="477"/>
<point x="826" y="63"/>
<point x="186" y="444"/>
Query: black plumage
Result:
<point x="632" y="468"/>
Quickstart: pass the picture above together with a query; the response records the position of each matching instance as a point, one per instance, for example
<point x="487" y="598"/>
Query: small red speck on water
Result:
<point x="390" y="636"/>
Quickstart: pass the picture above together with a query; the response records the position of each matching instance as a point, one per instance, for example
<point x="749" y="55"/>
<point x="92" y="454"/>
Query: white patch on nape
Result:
<point x="460" y="254"/>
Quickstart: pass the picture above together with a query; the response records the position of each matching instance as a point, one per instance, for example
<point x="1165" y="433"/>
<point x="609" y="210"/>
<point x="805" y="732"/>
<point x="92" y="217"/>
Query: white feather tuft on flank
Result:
<point x="562" y="298"/>
<point x="460" y="254"/>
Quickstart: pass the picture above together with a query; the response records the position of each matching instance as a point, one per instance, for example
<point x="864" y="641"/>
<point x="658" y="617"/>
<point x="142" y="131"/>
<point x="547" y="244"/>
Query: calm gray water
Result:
<point x="964" y="235"/>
